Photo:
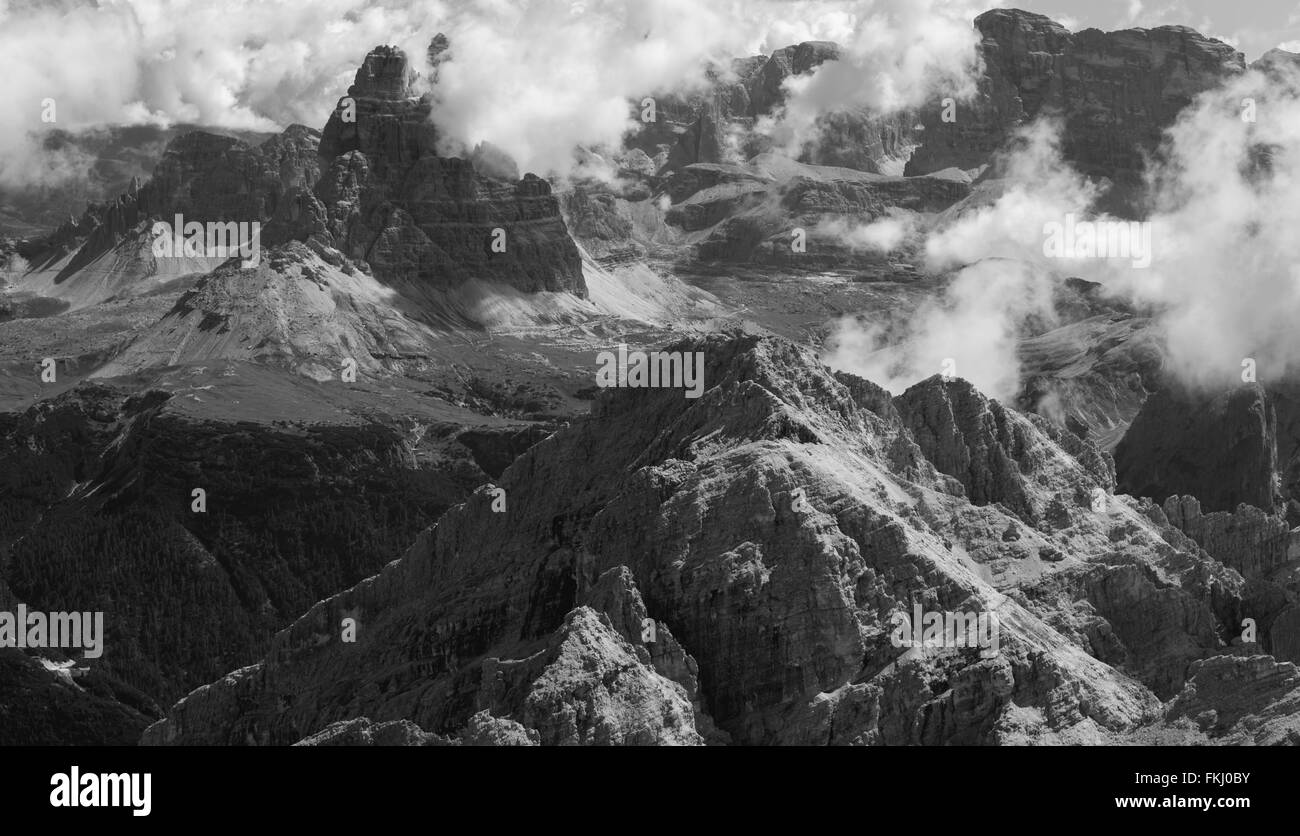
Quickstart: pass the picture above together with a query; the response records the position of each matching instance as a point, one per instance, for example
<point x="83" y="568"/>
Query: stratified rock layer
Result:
<point x="1115" y="91"/>
<point x="727" y="569"/>
<point x="1240" y="445"/>
<point x="387" y="198"/>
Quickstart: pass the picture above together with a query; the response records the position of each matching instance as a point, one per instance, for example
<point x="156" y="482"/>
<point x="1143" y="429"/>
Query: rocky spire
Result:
<point x="385" y="74"/>
<point x="437" y="54"/>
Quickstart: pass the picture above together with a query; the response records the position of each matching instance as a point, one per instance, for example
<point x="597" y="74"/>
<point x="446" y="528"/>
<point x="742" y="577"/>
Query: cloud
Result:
<point x="246" y="64"/>
<point x="971" y="329"/>
<point x="1134" y="13"/>
<point x="882" y="235"/>
<point x="1223" y="280"/>
<point x="1226" y="269"/>
<point x="534" y="77"/>
<point x="1037" y="187"/>
<point x="561" y="78"/>
<point x="1002" y="278"/>
<point x="896" y="55"/>
<point x="538" y="78"/>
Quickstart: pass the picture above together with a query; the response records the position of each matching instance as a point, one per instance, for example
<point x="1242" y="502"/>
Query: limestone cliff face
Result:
<point x="209" y="177"/>
<point x="749" y="211"/>
<point x="717" y="126"/>
<point x="1242" y="701"/>
<point x="1224" y="465"/>
<point x="728" y="566"/>
<point x="1220" y="447"/>
<point x="993" y="450"/>
<point x="1094" y="370"/>
<point x="374" y="188"/>
<point x="388" y="199"/>
<point x="1264" y="550"/>
<point x="1248" y="540"/>
<point x="1116" y="91"/>
<point x="753" y="87"/>
<point x="1115" y="94"/>
<point x="203" y="177"/>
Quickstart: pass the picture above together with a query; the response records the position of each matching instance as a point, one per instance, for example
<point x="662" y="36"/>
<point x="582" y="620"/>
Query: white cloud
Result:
<point x="535" y="77"/>
<point x="1134" y="13"/>
<point x="973" y="324"/>
<point x="1223" y="280"/>
<point x="250" y="64"/>
<point x="882" y="235"/>
<point x="897" y="54"/>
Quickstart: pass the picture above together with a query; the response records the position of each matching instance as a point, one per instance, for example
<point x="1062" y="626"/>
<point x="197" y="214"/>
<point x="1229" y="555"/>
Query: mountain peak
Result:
<point x="385" y="74"/>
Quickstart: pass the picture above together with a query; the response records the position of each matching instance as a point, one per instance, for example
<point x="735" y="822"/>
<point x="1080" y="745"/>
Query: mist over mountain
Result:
<point x="358" y="390"/>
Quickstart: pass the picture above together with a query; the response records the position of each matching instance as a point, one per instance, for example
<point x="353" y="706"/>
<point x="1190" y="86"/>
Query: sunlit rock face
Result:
<point x="1116" y="91"/>
<point x="388" y="199"/>
<point x="727" y="569"/>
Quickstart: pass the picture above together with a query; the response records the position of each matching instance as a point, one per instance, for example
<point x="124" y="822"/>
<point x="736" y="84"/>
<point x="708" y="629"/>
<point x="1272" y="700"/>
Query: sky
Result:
<point x="1252" y="26"/>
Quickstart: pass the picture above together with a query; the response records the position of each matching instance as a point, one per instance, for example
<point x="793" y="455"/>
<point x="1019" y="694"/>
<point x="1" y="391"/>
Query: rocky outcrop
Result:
<point x="593" y="216"/>
<point x="1115" y="91"/>
<point x="362" y="732"/>
<point x="766" y="87"/>
<point x="203" y="177"/>
<point x="716" y="193"/>
<point x="830" y="191"/>
<point x="207" y="177"/>
<point x="1248" y="540"/>
<point x="1285" y="399"/>
<point x="754" y="87"/>
<point x="371" y="186"/>
<point x="728" y="566"/>
<point x="1260" y="547"/>
<point x="293" y="310"/>
<point x="1283" y="633"/>
<point x="589" y="688"/>
<point x="1091" y="372"/>
<point x="751" y="212"/>
<point x="1221" y="448"/>
<point x="863" y="141"/>
<point x="720" y="127"/>
<point x="114" y="156"/>
<point x="993" y="451"/>
<point x="1157" y="627"/>
<point x="1252" y="700"/>
<point x="594" y="682"/>
<point x="418" y="219"/>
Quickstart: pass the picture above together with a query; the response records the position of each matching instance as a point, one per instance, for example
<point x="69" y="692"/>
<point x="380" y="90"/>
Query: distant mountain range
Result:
<point x="396" y="424"/>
